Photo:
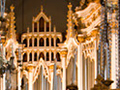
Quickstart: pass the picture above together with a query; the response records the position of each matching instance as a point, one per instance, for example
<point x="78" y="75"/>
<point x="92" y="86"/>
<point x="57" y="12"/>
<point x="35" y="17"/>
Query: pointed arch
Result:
<point x="25" y="42"/>
<point x="35" y="27"/>
<point x="35" y="56"/>
<point x="58" y="57"/>
<point x="57" y="41"/>
<point x="38" y="83"/>
<point x="47" y="41"/>
<point x="41" y="42"/>
<point x="30" y="42"/>
<point x="30" y="56"/>
<point x="47" y="56"/>
<point x="41" y="24"/>
<point x="52" y="42"/>
<point x="47" y="26"/>
<point x="52" y="56"/>
<point x="35" y="42"/>
<point x="41" y="55"/>
<point x="24" y="83"/>
<point x="25" y="57"/>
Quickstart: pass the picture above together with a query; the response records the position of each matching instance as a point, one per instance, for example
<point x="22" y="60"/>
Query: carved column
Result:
<point x="52" y="77"/>
<point x="55" y="41"/>
<point x="45" y="55"/>
<point x="30" y="76"/>
<point x="63" y="54"/>
<point x="50" y="55"/>
<point x="28" y="56"/>
<point x="55" y="55"/>
<point x="37" y="55"/>
<point x="28" y="41"/>
<point x="38" y="41"/>
<point x="1" y="83"/>
<point x="32" y="41"/>
<point x="44" y="41"/>
<point x="19" y="79"/>
<point x="4" y="82"/>
<point x="50" y="41"/>
<point x="19" y="68"/>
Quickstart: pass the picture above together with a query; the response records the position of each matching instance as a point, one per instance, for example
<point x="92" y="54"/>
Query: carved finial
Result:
<point x="50" y="18"/>
<point x="27" y="29"/>
<point x="54" y="28"/>
<point x="41" y="8"/>
<point x="33" y="18"/>
<point x="70" y="5"/>
<point x="12" y="7"/>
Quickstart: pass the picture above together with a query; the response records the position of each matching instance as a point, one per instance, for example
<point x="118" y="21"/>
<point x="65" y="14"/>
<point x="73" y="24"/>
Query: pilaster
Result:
<point x="19" y="79"/>
<point x="63" y="54"/>
<point x="30" y="76"/>
<point x="4" y="82"/>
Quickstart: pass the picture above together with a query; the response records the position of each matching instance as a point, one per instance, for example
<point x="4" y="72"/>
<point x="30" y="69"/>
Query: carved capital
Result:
<point x="63" y="52"/>
<point x="30" y="68"/>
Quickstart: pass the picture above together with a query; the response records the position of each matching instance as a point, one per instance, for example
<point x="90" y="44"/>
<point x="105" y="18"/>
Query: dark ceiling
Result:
<point x="26" y="9"/>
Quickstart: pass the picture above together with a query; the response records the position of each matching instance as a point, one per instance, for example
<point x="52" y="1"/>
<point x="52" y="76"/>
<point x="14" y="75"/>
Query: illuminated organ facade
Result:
<point x="50" y="64"/>
<point x="41" y="53"/>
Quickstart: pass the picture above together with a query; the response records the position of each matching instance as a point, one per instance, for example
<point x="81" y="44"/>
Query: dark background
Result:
<point x="26" y="9"/>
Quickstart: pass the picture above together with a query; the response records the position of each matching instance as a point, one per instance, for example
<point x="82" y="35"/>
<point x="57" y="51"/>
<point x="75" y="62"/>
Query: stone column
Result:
<point x="19" y="79"/>
<point x="55" y="55"/>
<point x="52" y="78"/>
<point x="45" y="55"/>
<point x="19" y="68"/>
<point x="50" y="41"/>
<point x="38" y="55"/>
<point x="50" y="24"/>
<point x="32" y="56"/>
<point x="32" y="41"/>
<point x="38" y="41"/>
<point x="44" y="41"/>
<point x="4" y="82"/>
<point x="28" y="41"/>
<point x="4" y="52"/>
<point x="1" y="83"/>
<point x="28" y="56"/>
<point x="55" y="41"/>
<point x="30" y="76"/>
<point x="95" y="59"/>
<point x="63" y="54"/>
<point x="50" y="55"/>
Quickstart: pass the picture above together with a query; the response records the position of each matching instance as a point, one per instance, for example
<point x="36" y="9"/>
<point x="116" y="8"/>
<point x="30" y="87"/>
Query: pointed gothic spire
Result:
<point x="70" y="25"/>
<point x="28" y="29"/>
<point x="54" y="28"/>
<point x="41" y="8"/>
<point x="11" y="30"/>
